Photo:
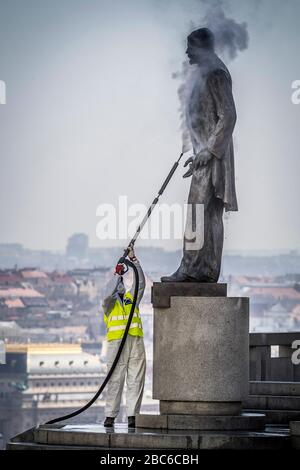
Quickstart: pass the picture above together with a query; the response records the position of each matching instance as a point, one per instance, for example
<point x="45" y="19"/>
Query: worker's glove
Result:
<point x="120" y="269"/>
<point x="131" y="254"/>
<point x="190" y="162"/>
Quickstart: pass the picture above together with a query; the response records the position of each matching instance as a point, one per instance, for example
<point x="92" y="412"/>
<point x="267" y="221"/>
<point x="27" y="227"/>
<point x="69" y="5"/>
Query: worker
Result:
<point x="132" y="363"/>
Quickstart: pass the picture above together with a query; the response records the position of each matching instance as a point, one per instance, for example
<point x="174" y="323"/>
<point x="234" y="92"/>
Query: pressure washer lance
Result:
<point x="122" y="266"/>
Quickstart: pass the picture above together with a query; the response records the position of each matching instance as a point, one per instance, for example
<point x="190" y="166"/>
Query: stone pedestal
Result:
<point x="201" y="356"/>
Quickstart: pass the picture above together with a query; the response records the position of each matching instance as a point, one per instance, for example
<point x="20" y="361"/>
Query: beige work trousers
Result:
<point x="132" y="366"/>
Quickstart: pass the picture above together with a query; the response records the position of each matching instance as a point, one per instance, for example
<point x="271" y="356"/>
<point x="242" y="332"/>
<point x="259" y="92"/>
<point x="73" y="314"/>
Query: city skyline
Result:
<point x="92" y="101"/>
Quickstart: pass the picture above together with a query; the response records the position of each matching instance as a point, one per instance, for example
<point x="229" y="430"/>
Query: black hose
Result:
<point x="116" y="359"/>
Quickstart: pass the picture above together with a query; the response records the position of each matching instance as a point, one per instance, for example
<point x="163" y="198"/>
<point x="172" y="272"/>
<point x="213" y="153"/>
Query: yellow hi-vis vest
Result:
<point x="116" y="321"/>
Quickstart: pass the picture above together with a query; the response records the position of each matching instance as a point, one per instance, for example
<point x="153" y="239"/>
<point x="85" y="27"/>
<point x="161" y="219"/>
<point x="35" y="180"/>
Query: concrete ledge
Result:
<point x="273" y="339"/>
<point x="150" y="440"/>
<point x="295" y="428"/>
<point x="71" y="435"/>
<point x="252" y="441"/>
<point x="205" y="408"/>
<point x="87" y="437"/>
<point x="33" y="446"/>
<point x="162" y="291"/>
<point x="244" y="442"/>
<point x="155" y="421"/>
<point x="295" y="434"/>
<point x="25" y="436"/>
<point x="282" y="417"/>
<point x="275" y="388"/>
<point x="119" y="437"/>
<point x="272" y="402"/>
<point x="254" y="421"/>
<point x="295" y="441"/>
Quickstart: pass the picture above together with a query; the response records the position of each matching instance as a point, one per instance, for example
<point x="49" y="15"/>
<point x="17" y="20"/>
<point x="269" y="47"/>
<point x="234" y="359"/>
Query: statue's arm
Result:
<point x="220" y="87"/>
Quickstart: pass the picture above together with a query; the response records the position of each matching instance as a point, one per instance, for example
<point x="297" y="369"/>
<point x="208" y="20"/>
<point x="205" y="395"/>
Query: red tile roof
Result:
<point x="14" y="303"/>
<point x="296" y="310"/>
<point x="246" y="280"/>
<point x="16" y="292"/>
<point x="35" y="274"/>
<point x="276" y="292"/>
<point x="8" y="278"/>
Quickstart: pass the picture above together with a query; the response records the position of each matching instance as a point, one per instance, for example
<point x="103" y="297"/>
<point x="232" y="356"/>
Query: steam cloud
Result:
<point x="231" y="38"/>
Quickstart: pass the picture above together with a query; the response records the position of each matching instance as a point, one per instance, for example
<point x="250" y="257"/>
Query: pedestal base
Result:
<point x="201" y="351"/>
<point x="200" y="360"/>
<point x="205" y="408"/>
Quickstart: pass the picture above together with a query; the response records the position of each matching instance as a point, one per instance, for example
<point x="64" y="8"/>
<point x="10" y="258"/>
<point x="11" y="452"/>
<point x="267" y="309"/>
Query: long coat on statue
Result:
<point x="210" y="118"/>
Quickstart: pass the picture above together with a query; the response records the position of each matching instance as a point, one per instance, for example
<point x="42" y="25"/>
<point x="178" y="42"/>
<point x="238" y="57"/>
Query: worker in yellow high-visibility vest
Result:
<point x="132" y="363"/>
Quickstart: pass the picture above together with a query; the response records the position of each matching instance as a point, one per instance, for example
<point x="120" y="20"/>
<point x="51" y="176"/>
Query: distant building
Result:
<point x="15" y="300"/>
<point x="62" y="286"/>
<point x="10" y="277"/>
<point x="42" y="381"/>
<point x="11" y="332"/>
<point x="296" y="314"/>
<point x="277" y="318"/>
<point x="36" y="278"/>
<point x="89" y="282"/>
<point x="2" y="352"/>
<point x="77" y="246"/>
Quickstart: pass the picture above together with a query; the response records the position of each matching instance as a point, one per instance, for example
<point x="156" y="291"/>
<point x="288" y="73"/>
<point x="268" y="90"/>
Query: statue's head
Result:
<point x="200" y="45"/>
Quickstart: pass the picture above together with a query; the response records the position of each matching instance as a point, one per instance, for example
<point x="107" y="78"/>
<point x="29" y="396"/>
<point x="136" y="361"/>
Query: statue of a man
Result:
<point x="210" y="117"/>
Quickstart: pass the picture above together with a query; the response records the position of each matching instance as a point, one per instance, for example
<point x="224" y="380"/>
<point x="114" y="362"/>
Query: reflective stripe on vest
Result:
<point x="116" y="321"/>
<point x="122" y="327"/>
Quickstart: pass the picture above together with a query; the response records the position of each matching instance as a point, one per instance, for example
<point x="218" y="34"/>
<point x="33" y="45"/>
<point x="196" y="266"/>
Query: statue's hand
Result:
<point x="202" y="158"/>
<point x="189" y="173"/>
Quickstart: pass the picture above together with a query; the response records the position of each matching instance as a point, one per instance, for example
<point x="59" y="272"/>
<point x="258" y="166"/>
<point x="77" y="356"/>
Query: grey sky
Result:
<point x="91" y="113"/>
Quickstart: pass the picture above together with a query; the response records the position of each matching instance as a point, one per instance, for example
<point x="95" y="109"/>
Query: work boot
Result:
<point x="109" y="422"/>
<point x="131" y="421"/>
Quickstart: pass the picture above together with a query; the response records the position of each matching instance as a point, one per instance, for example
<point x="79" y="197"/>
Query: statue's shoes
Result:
<point x="178" y="277"/>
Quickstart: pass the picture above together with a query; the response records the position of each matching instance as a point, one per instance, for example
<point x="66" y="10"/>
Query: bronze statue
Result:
<point x="210" y="117"/>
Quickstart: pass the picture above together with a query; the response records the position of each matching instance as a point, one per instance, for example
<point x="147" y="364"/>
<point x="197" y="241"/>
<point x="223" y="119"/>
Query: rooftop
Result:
<point x="45" y="348"/>
<point x="34" y="274"/>
<point x="16" y="292"/>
